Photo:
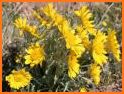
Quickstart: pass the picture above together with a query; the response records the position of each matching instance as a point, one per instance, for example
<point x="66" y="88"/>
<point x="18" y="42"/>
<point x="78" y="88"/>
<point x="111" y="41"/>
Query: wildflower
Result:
<point x="69" y="36"/>
<point x="19" y="79"/>
<point x="73" y="66"/>
<point x="41" y="20"/>
<point x="83" y="89"/>
<point x="35" y="55"/>
<point x="76" y="45"/>
<point x="64" y="27"/>
<point x="112" y="44"/>
<point x="49" y="10"/>
<point x="95" y="73"/>
<point x="56" y="18"/>
<point x="32" y="30"/>
<point x="85" y="16"/>
<point x="84" y="36"/>
<point x="66" y="30"/>
<point x="22" y="24"/>
<point x="98" y="48"/>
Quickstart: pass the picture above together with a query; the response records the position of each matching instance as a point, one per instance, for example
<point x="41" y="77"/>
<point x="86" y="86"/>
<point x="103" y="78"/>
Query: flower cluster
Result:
<point x="82" y="38"/>
<point x="79" y="42"/>
<point x="76" y="47"/>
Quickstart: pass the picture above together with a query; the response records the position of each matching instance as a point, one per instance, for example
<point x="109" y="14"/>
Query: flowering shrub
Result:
<point x="54" y="46"/>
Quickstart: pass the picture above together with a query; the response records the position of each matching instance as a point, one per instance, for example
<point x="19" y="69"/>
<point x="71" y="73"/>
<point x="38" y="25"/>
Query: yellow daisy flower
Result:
<point x="56" y="18"/>
<point x="83" y="89"/>
<point x="41" y="20"/>
<point x="95" y="71"/>
<point x="98" y="48"/>
<point x="22" y="24"/>
<point x="49" y="10"/>
<point x="76" y="45"/>
<point x="64" y="27"/>
<point x="35" y="55"/>
<point x="73" y="66"/>
<point x="112" y="44"/>
<point x="84" y="36"/>
<point x="85" y="16"/>
<point x="19" y="79"/>
<point x="32" y="30"/>
<point x="69" y="36"/>
<point x="66" y="30"/>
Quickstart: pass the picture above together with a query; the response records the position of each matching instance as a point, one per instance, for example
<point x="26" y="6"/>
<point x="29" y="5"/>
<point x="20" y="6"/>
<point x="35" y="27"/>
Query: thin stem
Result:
<point x="66" y="86"/>
<point x="105" y="14"/>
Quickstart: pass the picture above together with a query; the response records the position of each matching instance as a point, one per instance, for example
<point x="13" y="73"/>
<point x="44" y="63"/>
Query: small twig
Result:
<point x="36" y="81"/>
<point x="18" y="7"/>
<point x="88" y="80"/>
<point x="66" y="86"/>
<point x="57" y="89"/>
<point x="14" y="10"/>
<point x="85" y="66"/>
<point x="105" y="14"/>
<point x="83" y="72"/>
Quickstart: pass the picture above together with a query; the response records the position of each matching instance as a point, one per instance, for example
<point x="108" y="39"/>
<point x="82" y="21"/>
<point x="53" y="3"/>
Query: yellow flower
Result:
<point x="73" y="66"/>
<point x="32" y="30"/>
<point x="19" y="79"/>
<point x="41" y="20"/>
<point x="65" y="27"/>
<point x="95" y="71"/>
<point x="85" y="16"/>
<point x="73" y="42"/>
<point x="112" y="44"/>
<point x="98" y="48"/>
<point x="49" y="10"/>
<point x="22" y="24"/>
<point x="56" y="18"/>
<point x="83" y="89"/>
<point x="84" y="36"/>
<point x="35" y="55"/>
<point x="66" y="30"/>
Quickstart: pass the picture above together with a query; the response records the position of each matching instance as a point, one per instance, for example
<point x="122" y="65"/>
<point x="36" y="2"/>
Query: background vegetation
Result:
<point x="54" y="75"/>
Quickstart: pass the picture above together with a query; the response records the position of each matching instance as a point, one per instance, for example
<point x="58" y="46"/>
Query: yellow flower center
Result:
<point x="36" y="54"/>
<point x="18" y="77"/>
